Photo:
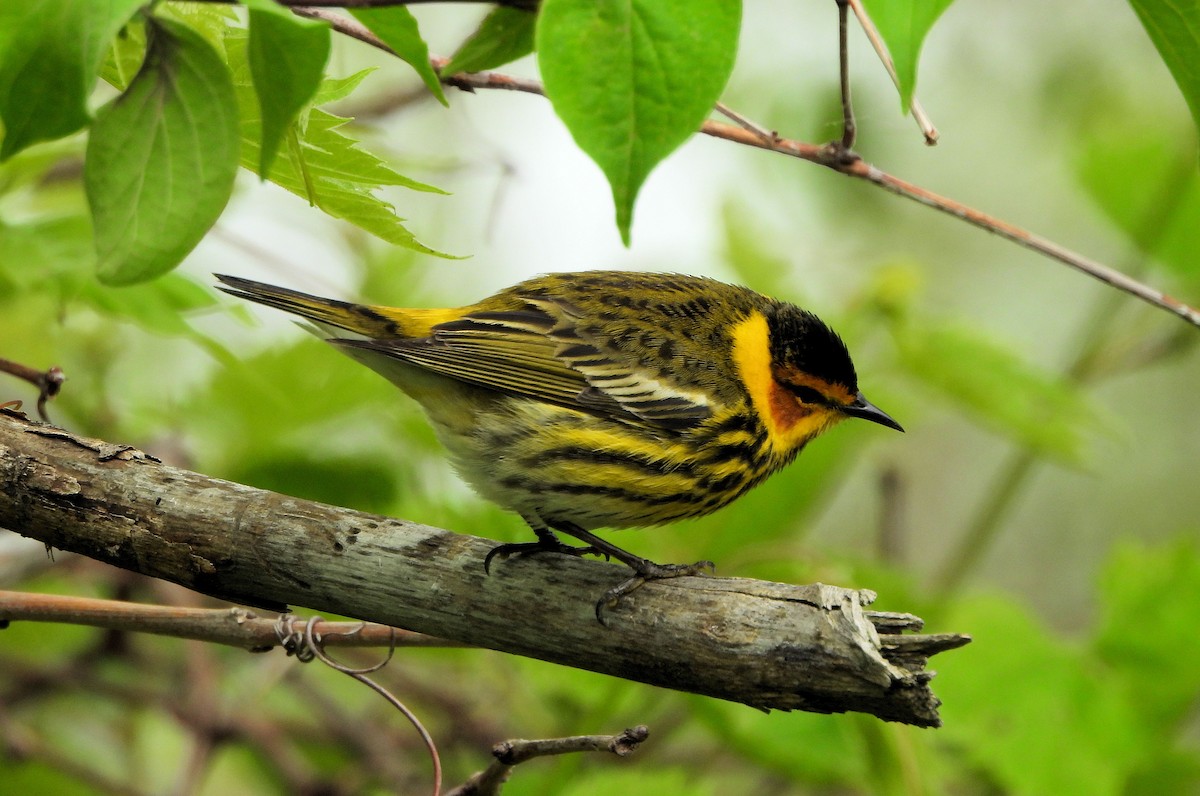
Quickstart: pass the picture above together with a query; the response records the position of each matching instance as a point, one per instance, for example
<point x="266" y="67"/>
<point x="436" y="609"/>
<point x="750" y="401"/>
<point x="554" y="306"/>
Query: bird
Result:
<point x="604" y="399"/>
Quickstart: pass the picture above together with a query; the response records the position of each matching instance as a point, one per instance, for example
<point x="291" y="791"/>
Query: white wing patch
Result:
<point x="634" y="390"/>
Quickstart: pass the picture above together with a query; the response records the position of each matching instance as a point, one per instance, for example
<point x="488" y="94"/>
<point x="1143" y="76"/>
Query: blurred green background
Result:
<point x="1044" y="499"/>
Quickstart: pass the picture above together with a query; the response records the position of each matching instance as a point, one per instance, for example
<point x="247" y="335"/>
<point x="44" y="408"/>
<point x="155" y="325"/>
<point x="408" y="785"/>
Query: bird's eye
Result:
<point x="807" y="394"/>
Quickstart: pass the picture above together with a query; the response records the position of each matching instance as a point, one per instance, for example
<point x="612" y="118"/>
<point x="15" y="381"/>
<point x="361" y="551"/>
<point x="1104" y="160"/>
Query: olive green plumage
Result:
<point x="605" y="398"/>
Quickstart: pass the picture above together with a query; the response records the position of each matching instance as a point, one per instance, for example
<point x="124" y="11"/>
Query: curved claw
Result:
<point x="529" y="548"/>
<point x="644" y="573"/>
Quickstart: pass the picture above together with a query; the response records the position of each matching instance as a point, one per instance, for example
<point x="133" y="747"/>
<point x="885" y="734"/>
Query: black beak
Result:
<point x="869" y="411"/>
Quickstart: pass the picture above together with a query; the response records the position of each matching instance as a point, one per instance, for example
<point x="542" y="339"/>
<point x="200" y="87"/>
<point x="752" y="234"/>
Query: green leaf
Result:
<point x="1143" y="177"/>
<point x="287" y="60"/>
<point x="1043" y="412"/>
<point x="162" y="305"/>
<point x="397" y="27"/>
<point x="1034" y="713"/>
<point x="1176" y="770"/>
<point x="800" y="747"/>
<point x="48" y="60"/>
<point x="632" y="79"/>
<point x="1148" y="627"/>
<point x="341" y="179"/>
<point x="505" y="35"/>
<point x="125" y="55"/>
<point x="62" y="248"/>
<point x="903" y="24"/>
<point x="324" y="166"/>
<point x="162" y="157"/>
<point x="1174" y="27"/>
<point x="333" y="89"/>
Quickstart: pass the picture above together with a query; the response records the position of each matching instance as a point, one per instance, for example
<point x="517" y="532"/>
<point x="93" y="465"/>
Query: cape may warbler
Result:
<point x="605" y="399"/>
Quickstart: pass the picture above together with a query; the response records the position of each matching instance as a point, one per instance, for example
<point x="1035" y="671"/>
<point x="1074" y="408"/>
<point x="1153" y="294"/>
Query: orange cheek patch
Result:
<point x="792" y="422"/>
<point x="786" y="411"/>
<point x="796" y="421"/>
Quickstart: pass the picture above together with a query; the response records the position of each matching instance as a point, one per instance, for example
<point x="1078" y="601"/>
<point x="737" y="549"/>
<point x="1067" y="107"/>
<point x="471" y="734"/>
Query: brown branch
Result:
<point x="234" y="627"/>
<point x="512" y="753"/>
<point x="48" y="382"/>
<point x="849" y="129"/>
<point x="832" y="157"/>
<point x="856" y="167"/>
<point x="770" y="645"/>
<point x="745" y="123"/>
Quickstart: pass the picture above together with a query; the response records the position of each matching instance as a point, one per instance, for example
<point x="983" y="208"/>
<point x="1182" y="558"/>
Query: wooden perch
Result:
<point x="769" y="645"/>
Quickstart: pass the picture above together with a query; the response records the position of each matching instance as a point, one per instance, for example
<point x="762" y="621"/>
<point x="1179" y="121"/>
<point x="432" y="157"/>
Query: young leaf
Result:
<point x="324" y="166"/>
<point x="505" y="35"/>
<point x="49" y="52"/>
<point x="632" y="79"/>
<point x="903" y="25"/>
<point x="333" y="89"/>
<point x="125" y="54"/>
<point x="397" y="27"/>
<point x="287" y="60"/>
<point x="1174" y="28"/>
<point x="162" y="157"/>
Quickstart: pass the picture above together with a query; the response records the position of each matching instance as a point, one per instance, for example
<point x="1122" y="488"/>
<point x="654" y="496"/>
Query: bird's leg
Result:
<point x="644" y="569"/>
<point x="547" y="543"/>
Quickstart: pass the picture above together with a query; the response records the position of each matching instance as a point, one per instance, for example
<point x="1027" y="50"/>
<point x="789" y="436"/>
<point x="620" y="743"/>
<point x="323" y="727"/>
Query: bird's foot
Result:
<point x="551" y="545"/>
<point x="645" y="571"/>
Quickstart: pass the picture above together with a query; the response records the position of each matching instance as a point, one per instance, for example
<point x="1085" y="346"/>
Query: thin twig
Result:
<point x="313" y="646"/>
<point x="514" y="752"/>
<point x="236" y="627"/>
<point x="48" y="382"/>
<point x="849" y="130"/>
<point x="753" y="126"/>
<point x="856" y="167"/>
<point x="892" y="513"/>
<point x="868" y="25"/>
<point x="836" y="159"/>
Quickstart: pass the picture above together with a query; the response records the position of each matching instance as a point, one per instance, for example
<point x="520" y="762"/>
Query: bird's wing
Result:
<point x="542" y="353"/>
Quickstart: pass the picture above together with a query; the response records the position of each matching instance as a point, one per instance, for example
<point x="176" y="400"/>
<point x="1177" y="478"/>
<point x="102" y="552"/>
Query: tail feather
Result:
<point x="356" y="318"/>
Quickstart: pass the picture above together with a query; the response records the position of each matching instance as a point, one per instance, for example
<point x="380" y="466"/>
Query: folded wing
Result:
<point x="541" y="352"/>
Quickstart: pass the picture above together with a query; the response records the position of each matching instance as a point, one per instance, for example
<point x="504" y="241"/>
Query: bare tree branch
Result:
<point x="235" y="627"/>
<point x="514" y="752"/>
<point x="849" y="128"/>
<point x="770" y="645"/>
<point x="48" y="382"/>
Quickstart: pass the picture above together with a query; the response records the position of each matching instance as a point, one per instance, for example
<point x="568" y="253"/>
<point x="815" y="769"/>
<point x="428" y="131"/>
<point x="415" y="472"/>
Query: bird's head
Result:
<point x="799" y="375"/>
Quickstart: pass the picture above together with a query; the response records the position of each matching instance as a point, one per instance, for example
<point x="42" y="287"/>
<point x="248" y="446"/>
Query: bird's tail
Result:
<point x="358" y="319"/>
